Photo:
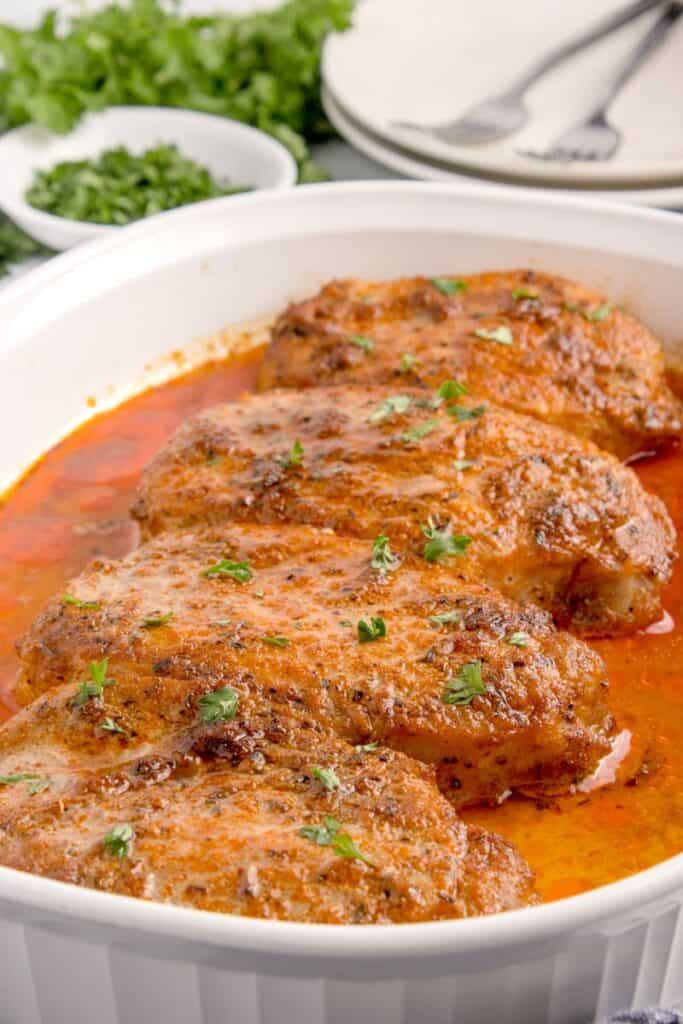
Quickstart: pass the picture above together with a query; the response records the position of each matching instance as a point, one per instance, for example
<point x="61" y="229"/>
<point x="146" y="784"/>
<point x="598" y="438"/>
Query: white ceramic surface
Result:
<point x="233" y="152"/>
<point x="430" y="62"/>
<point x="408" y="164"/>
<point x="89" y="323"/>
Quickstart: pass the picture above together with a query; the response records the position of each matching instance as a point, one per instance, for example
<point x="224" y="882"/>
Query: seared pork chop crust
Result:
<point x="532" y="342"/>
<point x="244" y="817"/>
<point x="550" y="517"/>
<point x="416" y="658"/>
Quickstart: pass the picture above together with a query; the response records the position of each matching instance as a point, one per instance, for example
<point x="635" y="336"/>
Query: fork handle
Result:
<point x="580" y="42"/>
<point x="650" y="42"/>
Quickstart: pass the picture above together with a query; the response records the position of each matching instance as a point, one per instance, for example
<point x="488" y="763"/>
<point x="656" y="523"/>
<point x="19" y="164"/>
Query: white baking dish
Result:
<point x="88" y="324"/>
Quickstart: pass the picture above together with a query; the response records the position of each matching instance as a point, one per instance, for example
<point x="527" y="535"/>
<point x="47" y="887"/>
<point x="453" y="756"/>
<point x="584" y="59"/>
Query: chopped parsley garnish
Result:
<point x="448" y="285"/>
<point x="330" y="834"/>
<point x="218" y="706"/>
<point x="443" y="543"/>
<point x="367" y="748"/>
<point x="592" y="315"/>
<point x="293" y="457"/>
<point x="518" y="294"/>
<point x="36" y="784"/>
<point x="462" y="464"/>
<point x="392" y="404"/>
<point x="94" y="690"/>
<point x="119" y="186"/>
<point x="276" y="641"/>
<point x="327" y="777"/>
<point x="419" y="431"/>
<point x="465" y="686"/>
<point x="118" y="840"/>
<point x="372" y="630"/>
<point x="601" y="313"/>
<point x="445" y="618"/>
<point x="109" y="725"/>
<point x="462" y="412"/>
<point x="501" y="335"/>
<point x="407" y="362"/>
<point x="345" y="622"/>
<point x="155" y="621"/>
<point x="239" y="571"/>
<point x="362" y="341"/>
<point x="77" y="603"/>
<point x="383" y="558"/>
<point x="12" y="780"/>
<point x="518" y="639"/>
<point x="448" y="390"/>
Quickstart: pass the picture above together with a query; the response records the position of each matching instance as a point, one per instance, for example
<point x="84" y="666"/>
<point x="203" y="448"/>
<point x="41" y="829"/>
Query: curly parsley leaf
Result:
<point x="330" y="834"/>
<point x="94" y="689"/>
<point x="408" y="362"/>
<point x="111" y="726"/>
<point x="445" y="618"/>
<point x="156" y="621"/>
<point x="362" y="341"/>
<point x="375" y="629"/>
<point x="517" y="639"/>
<point x="77" y="603"/>
<point x="293" y="457"/>
<point x="465" y="686"/>
<point x="599" y="314"/>
<point x="239" y="571"/>
<point x="383" y="558"/>
<point x="218" y="706"/>
<point x="327" y="778"/>
<point x="461" y="413"/>
<point x="448" y="285"/>
<point x="276" y="641"/>
<point x="592" y="315"/>
<point x="448" y="389"/>
<point x="392" y="404"/>
<point x="501" y="335"/>
<point x="35" y="783"/>
<point x="419" y="431"/>
<point x="442" y="542"/>
<point x="118" y="840"/>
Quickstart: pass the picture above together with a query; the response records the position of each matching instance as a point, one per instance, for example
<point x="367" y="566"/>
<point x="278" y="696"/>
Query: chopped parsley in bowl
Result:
<point x="119" y="186"/>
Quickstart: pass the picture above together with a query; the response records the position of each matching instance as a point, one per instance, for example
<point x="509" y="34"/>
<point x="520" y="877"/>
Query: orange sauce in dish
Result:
<point x="73" y="506"/>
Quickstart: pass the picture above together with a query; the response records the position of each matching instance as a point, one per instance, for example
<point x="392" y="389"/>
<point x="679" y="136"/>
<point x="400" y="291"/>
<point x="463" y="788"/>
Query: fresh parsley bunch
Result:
<point x="263" y="68"/>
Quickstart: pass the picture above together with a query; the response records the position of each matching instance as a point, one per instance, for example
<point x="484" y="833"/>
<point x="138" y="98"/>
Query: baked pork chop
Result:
<point x="532" y="342"/>
<point x="412" y="656"/>
<point x="254" y="815"/>
<point x="540" y="514"/>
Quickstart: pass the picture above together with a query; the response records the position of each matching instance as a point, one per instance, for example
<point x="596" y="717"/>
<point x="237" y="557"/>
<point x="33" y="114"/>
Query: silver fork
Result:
<point x="505" y="113"/>
<point x="595" y="138"/>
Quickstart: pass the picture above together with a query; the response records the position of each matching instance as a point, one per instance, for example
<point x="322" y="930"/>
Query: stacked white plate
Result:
<point x="428" y="62"/>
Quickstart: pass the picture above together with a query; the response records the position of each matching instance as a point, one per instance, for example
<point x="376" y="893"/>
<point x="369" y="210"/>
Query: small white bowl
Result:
<point x="232" y="151"/>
